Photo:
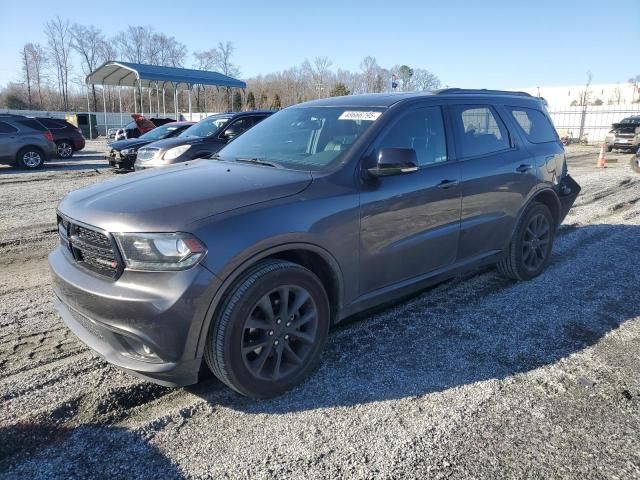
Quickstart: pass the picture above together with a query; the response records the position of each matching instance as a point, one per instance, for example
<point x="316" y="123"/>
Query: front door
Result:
<point x="410" y="222"/>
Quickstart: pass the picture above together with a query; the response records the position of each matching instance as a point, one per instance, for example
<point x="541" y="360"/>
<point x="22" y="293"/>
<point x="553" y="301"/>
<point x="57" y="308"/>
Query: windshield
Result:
<point x="160" y="132"/>
<point x="302" y="138"/>
<point x="205" y="128"/>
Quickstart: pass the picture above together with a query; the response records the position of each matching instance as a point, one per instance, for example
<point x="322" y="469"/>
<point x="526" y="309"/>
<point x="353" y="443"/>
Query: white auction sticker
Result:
<point x="359" y="115"/>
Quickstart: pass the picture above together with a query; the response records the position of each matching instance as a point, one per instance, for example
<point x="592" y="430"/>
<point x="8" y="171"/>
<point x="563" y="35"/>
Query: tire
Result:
<point x="635" y="163"/>
<point x="609" y="149"/>
<point x="65" y="149"/>
<point x="525" y="257"/>
<point x="30" y="158"/>
<point x="285" y="350"/>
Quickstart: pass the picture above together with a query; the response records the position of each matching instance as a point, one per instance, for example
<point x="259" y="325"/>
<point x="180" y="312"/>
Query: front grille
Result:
<point x="145" y="154"/>
<point x="92" y="249"/>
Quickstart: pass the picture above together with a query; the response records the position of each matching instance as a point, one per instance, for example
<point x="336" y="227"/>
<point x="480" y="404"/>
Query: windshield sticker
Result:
<point x="356" y="115"/>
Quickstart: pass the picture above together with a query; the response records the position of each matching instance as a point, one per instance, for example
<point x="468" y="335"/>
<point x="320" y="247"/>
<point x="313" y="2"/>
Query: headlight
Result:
<point x="175" y="152"/>
<point x="127" y="151"/>
<point x="160" y="251"/>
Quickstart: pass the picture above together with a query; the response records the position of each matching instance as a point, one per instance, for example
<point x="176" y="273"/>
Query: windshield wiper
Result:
<point x="215" y="156"/>
<point x="257" y="161"/>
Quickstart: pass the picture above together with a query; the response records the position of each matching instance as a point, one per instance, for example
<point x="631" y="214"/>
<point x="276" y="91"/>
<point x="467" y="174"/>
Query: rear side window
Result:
<point x="52" y="123"/>
<point x="33" y="124"/>
<point x="479" y="130"/>
<point x="535" y="124"/>
<point x="6" y="128"/>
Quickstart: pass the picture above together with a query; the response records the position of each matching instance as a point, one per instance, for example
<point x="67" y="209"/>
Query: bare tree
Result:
<point x="58" y="34"/>
<point x="370" y="70"/>
<point x="424" y="80"/>
<point x="89" y="42"/>
<point x="26" y="70"/>
<point x="37" y="61"/>
<point x="635" y="85"/>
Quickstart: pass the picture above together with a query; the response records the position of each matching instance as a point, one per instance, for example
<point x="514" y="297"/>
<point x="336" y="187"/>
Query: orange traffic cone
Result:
<point x="602" y="160"/>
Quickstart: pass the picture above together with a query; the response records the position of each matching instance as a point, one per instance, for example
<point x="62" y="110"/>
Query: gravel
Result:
<point x="476" y="377"/>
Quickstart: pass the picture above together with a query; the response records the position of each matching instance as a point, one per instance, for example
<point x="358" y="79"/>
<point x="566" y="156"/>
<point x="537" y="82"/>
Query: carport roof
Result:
<point x="128" y="74"/>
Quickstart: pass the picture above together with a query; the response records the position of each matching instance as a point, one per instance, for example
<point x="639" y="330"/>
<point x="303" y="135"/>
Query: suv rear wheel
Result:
<point x="270" y="331"/>
<point x="30" y="158"/>
<point x="65" y="149"/>
<point x="529" y="251"/>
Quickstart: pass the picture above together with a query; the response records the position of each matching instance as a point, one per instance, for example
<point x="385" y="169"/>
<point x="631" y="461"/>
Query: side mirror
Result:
<point x="230" y="133"/>
<point x="394" y="161"/>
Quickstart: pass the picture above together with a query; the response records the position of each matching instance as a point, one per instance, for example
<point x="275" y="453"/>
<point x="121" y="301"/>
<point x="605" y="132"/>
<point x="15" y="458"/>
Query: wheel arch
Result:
<point x="315" y="258"/>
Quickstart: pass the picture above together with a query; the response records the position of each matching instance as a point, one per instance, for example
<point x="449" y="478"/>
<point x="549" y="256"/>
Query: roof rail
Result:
<point x="464" y="91"/>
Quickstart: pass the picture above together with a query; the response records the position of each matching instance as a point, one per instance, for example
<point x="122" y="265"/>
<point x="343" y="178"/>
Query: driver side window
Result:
<point x="421" y="130"/>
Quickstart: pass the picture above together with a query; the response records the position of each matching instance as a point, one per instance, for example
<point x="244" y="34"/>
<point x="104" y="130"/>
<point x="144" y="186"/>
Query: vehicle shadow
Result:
<point x="38" y="450"/>
<point x="472" y="329"/>
<point x="73" y="164"/>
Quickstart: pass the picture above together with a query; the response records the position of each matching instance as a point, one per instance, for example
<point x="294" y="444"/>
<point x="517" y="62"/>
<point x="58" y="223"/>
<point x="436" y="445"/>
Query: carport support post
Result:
<point x="190" y="113"/>
<point x="175" y="101"/>
<point x="204" y="93"/>
<point x="89" y="115"/>
<point x="141" y="103"/>
<point x="135" y="100"/>
<point x="104" y="105"/>
<point x="120" y="101"/>
<point x="164" y="102"/>
<point x="158" y="97"/>
<point x="149" y="88"/>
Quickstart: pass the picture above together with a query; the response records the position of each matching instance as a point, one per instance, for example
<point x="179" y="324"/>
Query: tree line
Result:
<point x="53" y="73"/>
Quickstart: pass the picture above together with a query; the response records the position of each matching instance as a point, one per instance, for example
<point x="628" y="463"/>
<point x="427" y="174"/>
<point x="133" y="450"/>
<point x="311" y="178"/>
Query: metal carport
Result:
<point x="138" y="75"/>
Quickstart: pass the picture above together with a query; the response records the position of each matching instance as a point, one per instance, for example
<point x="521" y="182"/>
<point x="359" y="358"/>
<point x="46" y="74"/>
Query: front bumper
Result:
<point x="120" y="162"/>
<point x="162" y="311"/>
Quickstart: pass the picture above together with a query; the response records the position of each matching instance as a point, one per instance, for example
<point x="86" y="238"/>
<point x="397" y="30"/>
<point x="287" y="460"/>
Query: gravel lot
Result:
<point x="477" y="377"/>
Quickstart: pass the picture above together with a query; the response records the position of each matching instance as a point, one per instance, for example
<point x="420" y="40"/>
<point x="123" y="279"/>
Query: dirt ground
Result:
<point x="477" y="377"/>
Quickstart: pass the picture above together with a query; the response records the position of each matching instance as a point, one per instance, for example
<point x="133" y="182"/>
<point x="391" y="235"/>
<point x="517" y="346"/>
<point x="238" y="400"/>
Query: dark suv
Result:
<point x="322" y="210"/>
<point x="198" y="141"/>
<point x="68" y="138"/>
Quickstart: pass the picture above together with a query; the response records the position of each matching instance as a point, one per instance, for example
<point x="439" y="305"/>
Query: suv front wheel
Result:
<point x="270" y="331"/>
<point x="529" y="251"/>
<point x="30" y="158"/>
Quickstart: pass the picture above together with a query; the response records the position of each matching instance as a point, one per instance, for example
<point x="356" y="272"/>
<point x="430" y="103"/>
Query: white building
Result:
<point x="571" y="95"/>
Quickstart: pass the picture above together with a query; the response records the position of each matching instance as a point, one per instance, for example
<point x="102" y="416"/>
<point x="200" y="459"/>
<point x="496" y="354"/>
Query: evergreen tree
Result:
<point x="276" y="104"/>
<point x="237" y="101"/>
<point x="251" y="101"/>
<point x="339" y="90"/>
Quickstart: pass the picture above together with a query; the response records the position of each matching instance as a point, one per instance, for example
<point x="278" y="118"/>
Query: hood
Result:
<point x="169" y="199"/>
<point x="168" y="143"/>
<point x="128" y="143"/>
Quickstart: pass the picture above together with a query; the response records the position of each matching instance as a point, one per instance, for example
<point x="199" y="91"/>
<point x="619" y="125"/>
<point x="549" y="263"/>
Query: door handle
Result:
<point x="525" y="168"/>
<point x="444" y="184"/>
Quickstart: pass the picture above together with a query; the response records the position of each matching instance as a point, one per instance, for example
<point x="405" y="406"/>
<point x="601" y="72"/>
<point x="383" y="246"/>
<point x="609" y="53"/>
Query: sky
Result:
<point x="488" y="44"/>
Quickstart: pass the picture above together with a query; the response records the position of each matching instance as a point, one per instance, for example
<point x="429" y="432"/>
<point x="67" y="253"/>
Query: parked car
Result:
<point x="323" y="210"/>
<point x="624" y="135"/>
<point x="635" y="162"/>
<point x="123" y="153"/>
<point x="25" y="142"/>
<point x="68" y="138"/>
<point x="133" y="129"/>
<point x="199" y="141"/>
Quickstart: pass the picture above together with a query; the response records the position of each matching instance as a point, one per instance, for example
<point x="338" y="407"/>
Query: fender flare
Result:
<point x="232" y="277"/>
<point x="532" y="198"/>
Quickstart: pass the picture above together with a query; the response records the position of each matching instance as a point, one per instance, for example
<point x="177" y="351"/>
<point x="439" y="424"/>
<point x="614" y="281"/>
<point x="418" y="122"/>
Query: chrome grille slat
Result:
<point x="92" y="249"/>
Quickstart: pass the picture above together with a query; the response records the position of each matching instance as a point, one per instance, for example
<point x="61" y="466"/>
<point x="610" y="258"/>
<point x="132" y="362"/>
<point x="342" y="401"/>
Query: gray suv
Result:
<point x="25" y="142"/>
<point x="244" y="261"/>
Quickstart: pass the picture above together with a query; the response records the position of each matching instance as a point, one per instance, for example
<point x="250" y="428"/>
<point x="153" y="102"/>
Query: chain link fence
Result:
<point x="590" y="123"/>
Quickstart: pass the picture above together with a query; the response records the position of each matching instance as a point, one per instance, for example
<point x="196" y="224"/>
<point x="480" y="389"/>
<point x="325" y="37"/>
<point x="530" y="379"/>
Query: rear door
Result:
<point x="7" y="137"/>
<point x="410" y="222"/>
<point x="497" y="174"/>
